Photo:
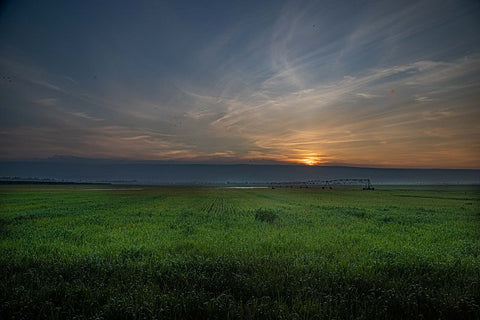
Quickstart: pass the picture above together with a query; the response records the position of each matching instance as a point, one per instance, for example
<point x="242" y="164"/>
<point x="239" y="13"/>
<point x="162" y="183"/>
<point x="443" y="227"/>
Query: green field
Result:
<point x="154" y="252"/>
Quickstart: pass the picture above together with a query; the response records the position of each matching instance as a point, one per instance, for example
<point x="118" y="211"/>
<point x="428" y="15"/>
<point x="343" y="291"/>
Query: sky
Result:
<point x="366" y="83"/>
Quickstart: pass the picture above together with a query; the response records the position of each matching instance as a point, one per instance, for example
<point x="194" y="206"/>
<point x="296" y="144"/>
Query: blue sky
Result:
<point x="373" y="83"/>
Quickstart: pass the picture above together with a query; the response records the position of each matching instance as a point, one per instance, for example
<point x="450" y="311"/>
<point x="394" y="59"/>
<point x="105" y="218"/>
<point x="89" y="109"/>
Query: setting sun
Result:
<point x="310" y="161"/>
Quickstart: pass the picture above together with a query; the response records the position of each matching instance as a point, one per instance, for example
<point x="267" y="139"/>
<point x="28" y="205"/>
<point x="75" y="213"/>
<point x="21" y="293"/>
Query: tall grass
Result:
<point x="73" y="252"/>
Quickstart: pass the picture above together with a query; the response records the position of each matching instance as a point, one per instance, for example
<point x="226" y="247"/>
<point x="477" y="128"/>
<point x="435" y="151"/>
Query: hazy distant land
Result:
<point x="65" y="169"/>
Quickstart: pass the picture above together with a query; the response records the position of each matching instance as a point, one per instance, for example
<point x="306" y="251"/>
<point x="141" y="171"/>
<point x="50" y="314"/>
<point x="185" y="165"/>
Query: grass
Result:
<point x="399" y="253"/>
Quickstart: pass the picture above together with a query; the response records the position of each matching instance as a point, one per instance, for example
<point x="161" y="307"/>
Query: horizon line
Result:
<point x="230" y="162"/>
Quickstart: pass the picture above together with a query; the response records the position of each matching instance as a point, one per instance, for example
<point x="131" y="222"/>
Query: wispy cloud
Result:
<point x="84" y="115"/>
<point x="46" y="84"/>
<point x="367" y="95"/>
<point x="423" y="99"/>
<point x="47" y="101"/>
<point x="339" y="83"/>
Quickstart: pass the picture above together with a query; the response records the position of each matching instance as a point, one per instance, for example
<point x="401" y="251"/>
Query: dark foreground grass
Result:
<point x="395" y="253"/>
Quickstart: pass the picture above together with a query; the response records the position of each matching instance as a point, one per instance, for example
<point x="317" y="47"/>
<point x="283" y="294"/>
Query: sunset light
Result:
<point x="293" y="159"/>
<point x="311" y="161"/>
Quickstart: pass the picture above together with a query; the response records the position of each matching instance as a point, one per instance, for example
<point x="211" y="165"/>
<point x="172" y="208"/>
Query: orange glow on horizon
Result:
<point x="310" y="161"/>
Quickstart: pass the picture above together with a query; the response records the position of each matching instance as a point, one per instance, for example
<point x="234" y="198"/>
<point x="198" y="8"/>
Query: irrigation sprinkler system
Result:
<point x="325" y="184"/>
